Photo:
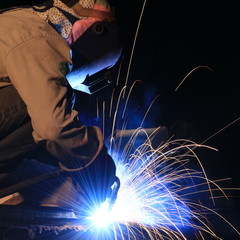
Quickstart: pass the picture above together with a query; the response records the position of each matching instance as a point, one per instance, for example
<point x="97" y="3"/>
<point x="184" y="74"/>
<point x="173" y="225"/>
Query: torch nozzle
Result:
<point x="113" y="197"/>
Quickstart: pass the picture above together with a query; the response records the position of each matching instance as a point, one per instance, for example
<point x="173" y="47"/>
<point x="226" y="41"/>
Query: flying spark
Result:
<point x="154" y="200"/>
<point x="161" y="194"/>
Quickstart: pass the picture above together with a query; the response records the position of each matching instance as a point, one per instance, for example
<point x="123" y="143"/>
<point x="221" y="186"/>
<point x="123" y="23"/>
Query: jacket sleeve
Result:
<point x="34" y="67"/>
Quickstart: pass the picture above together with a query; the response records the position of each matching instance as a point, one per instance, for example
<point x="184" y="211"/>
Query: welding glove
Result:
<point x="97" y="179"/>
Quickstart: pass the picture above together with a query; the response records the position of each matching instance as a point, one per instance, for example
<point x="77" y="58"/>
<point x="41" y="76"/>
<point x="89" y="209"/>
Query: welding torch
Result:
<point x="113" y="196"/>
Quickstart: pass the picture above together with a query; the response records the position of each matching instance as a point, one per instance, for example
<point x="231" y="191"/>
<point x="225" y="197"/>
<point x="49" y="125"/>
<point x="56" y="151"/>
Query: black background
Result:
<point x="173" y="39"/>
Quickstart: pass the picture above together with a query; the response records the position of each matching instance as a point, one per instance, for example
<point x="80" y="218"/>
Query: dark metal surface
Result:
<point x="36" y="222"/>
<point x="38" y="216"/>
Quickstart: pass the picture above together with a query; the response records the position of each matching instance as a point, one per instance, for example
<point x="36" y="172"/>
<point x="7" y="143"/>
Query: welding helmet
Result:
<point x="95" y="45"/>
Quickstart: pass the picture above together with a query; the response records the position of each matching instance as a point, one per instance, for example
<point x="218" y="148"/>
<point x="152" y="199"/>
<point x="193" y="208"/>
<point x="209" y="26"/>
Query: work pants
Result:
<point x="20" y="158"/>
<point x="15" y="130"/>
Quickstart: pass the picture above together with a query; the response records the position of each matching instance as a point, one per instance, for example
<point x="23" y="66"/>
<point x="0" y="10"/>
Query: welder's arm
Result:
<point x="36" y="74"/>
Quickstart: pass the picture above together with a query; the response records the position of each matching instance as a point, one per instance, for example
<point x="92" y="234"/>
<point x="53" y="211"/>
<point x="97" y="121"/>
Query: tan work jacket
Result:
<point x="31" y="56"/>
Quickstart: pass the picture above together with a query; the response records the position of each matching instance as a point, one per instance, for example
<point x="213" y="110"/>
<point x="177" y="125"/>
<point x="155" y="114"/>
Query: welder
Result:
<point x="46" y="51"/>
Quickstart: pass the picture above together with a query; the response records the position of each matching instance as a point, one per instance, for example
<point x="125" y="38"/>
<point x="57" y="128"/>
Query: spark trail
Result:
<point x="155" y="199"/>
<point x="161" y="194"/>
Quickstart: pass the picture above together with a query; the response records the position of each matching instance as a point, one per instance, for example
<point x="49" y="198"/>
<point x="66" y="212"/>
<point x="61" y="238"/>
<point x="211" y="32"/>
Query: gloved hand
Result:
<point x="96" y="179"/>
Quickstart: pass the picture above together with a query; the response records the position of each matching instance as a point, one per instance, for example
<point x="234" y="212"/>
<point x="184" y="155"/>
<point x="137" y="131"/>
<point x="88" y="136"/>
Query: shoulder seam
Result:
<point x="32" y="38"/>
